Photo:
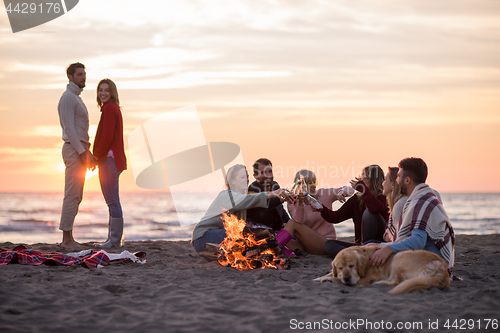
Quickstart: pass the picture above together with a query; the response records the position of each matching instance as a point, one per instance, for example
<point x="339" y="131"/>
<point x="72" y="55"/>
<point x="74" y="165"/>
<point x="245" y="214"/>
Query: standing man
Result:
<point x="424" y="223"/>
<point x="275" y="215"/>
<point x="74" y="119"/>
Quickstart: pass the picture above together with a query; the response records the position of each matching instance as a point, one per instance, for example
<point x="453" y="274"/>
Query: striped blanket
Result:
<point x="424" y="211"/>
<point x="24" y="256"/>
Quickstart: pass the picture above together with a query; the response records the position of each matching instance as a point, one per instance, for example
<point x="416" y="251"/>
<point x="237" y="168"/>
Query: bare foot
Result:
<point x="72" y="245"/>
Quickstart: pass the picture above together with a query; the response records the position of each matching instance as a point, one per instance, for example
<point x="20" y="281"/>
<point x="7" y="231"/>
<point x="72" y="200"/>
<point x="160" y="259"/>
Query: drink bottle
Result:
<point x="313" y="202"/>
<point x="310" y="199"/>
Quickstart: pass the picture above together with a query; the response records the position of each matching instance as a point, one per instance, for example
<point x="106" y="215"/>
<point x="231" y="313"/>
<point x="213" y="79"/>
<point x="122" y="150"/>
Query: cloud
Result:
<point x="17" y="67"/>
<point x="52" y="131"/>
<point x="202" y="115"/>
<point x="181" y="44"/>
<point x="158" y="57"/>
<point x="34" y="154"/>
<point x="318" y="55"/>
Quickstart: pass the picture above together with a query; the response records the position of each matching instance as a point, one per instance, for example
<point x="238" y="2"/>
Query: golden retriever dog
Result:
<point x="407" y="270"/>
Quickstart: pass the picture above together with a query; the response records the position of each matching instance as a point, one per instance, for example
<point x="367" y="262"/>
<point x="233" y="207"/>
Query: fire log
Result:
<point x="255" y="250"/>
<point x="263" y="234"/>
<point x="266" y="257"/>
<point x="255" y="264"/>
<point x="272" y="243"/>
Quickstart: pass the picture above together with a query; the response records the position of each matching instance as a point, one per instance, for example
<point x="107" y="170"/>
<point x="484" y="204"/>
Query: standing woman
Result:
<point x="110" y="152"/>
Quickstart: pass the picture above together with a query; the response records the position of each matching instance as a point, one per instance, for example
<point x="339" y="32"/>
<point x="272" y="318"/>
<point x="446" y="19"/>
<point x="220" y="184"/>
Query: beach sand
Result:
<point x="179" y="291"/>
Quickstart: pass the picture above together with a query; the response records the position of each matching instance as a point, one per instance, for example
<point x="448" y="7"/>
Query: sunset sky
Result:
<point x="328" y="85"/>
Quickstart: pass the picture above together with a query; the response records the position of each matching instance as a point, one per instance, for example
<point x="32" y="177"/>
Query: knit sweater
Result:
<point x="74" y="118"/>
<point x="313" y="219"/>
<point x="351" y="209"/>
<point x="395" y="218"/>
<point x="109" y="136"/>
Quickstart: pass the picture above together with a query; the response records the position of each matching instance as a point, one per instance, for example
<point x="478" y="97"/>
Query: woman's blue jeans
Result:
<point x="108" y="177"/>
<point x="215" y="236"/>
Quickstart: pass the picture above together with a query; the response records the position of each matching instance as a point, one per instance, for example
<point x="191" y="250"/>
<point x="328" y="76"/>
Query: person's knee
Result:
<point x="368" y="214"/>
<point x="72" y="199"/>
<point x="369" y="217"/>
<point x="332" y="247"/>
<point x="199" y="245"/>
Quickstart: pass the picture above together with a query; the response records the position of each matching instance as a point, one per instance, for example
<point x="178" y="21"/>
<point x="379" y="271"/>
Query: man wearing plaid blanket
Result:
<point x="424" y="223"/>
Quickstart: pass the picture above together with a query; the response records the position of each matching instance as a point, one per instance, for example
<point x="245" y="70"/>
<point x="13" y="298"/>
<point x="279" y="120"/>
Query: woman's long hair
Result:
<point x="231" y="173"/>
<point x="395" y="194"/>
<point x="376" y="176"/>
<point x="113" y="93"/>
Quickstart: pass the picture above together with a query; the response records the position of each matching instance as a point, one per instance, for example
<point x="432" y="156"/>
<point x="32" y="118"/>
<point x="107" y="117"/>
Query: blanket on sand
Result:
<point x="88" y="258"/>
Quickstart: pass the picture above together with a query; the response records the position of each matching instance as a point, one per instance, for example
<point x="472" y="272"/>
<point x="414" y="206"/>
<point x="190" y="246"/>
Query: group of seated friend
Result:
<point x="397" y="210"/>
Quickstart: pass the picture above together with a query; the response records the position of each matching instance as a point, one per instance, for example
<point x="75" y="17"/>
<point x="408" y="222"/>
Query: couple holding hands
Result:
<point x="108" y="153"/>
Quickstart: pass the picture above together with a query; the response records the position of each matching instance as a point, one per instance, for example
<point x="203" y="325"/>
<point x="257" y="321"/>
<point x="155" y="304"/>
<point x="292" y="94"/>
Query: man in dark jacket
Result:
<point x="275" y="215"/>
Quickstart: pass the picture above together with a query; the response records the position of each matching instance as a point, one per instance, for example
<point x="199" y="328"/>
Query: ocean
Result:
<point x="34" y="217"/>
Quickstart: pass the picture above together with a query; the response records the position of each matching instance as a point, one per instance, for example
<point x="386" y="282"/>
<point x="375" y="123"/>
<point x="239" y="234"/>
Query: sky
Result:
<point x="331" y="86"/>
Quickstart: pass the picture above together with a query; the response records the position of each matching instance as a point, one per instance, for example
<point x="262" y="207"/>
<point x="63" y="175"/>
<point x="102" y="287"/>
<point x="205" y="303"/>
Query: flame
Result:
<point x="240" y="248"/>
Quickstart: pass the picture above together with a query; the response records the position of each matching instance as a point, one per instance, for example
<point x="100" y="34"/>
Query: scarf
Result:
<point x="424" y="211"/>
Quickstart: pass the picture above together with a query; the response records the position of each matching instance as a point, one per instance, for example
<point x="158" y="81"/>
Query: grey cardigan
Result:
<point x="227" y="202"/>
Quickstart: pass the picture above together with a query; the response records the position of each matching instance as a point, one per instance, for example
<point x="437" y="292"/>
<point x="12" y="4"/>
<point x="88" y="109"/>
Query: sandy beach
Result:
<point x="179" y="291"/>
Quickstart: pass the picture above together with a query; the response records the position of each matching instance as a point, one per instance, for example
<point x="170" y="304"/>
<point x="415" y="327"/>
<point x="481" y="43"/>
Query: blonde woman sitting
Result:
<point x="309" y="228"/>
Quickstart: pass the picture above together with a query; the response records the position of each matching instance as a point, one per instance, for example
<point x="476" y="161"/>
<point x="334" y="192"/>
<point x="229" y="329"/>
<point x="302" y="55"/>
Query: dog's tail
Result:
<point x="410" y="285"/>
<point x="435" y="274"/>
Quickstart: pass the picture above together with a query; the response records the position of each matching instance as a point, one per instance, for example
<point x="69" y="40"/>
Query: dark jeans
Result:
<point x="373" y="227"/>
<point x="108" y="177"/>
<point x="215" y="236"/>
<point x="333" y="246"/>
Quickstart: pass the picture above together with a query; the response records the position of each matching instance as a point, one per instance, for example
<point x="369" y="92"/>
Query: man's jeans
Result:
<point x="74" y="179"/>
<point x="108" y="177"/>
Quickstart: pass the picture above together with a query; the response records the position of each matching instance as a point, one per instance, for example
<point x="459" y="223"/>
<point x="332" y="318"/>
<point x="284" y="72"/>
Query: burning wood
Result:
<point x="245" y="248"/>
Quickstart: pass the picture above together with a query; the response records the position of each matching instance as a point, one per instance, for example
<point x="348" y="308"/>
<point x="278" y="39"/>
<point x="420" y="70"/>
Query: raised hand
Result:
<point x="344" y="193"/>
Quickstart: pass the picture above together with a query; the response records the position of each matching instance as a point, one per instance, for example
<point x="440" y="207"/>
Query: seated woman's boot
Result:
<point x="283" y="237"/>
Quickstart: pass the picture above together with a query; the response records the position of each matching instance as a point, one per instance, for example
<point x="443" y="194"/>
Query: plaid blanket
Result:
<point x="24" y="256"/>
<point x="424" y="211"/>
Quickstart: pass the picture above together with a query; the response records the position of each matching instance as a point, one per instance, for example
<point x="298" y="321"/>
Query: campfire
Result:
<point x="249" y="248"/>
